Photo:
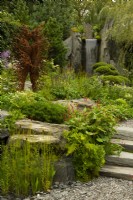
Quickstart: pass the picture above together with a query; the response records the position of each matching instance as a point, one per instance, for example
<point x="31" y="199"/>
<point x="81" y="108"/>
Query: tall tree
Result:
<point x="61" y="10"/>
<point x="53" y="31"/>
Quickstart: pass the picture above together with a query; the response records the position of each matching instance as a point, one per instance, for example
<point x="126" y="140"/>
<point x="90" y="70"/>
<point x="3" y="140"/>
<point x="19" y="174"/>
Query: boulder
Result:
<point x="4" y="136"/>
<point x="64" y="171"/>
<point x="77" y="104"/>
<point x="73" y="44"/>
<point x="29" y="127"/>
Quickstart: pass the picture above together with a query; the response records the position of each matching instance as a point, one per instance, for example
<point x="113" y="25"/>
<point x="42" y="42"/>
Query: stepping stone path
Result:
<point x="121" y="166"/>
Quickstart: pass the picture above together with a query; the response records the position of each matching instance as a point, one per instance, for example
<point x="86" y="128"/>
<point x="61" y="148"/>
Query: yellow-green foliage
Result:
<point x="108" y="73"/>
<point x="90" y="132"/>
<point x="106" y="70"/>
<point x="115" y="79"/>
<point x="98" y="64"/>
<point x="26" y="168"/>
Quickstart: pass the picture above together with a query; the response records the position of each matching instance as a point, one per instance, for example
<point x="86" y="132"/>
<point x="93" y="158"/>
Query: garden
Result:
<point x="32" y="49"/>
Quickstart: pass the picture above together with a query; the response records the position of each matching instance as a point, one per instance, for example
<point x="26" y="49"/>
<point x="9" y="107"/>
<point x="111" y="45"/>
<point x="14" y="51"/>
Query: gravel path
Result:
<point x="102" y="188"/>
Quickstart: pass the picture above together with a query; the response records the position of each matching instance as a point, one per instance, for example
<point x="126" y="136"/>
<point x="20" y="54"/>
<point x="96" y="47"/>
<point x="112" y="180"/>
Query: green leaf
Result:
<point x="72" y="148"/>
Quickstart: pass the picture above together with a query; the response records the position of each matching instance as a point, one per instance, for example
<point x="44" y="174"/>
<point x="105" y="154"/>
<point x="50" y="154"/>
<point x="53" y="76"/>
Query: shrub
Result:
<point x="53" y="31"/>
<point x="88" y="139"/>
<point x="111" y="67"/>
<point x="34" y="106"/>
<point x="9" y="27"/>
<point x="8" y="81"/>
<point x="98" y="64"/>
<point x="120" y="109"/>
<point x="109" y="73"/>
<point x="121" y="80"/>
<point x="1" y="66"/>
<point x="106" y="70"/>
<point x="20" y="10"/>
<point x="45" y="111"/>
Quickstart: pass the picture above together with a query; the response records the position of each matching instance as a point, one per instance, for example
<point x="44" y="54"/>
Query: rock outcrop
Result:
<point x="73" y="45"/>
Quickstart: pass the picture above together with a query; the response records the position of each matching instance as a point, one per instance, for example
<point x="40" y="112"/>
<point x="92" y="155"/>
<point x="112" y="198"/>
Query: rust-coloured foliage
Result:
<point x="30" y="48"/>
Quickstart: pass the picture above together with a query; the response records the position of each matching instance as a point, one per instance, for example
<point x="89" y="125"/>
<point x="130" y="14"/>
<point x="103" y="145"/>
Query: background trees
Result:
<point x="121" y="30"/>
<point x="67" y="14"/>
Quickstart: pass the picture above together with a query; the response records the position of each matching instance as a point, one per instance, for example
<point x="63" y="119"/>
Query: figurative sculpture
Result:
<point x="30" y="49"/>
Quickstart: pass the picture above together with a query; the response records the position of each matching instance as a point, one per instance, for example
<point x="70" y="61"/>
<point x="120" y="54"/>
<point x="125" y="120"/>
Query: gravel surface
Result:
<point x="102" y="188"/>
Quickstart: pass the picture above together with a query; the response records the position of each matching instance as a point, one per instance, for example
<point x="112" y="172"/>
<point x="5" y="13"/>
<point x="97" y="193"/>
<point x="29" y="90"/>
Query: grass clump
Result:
<point x="24" y="170"/>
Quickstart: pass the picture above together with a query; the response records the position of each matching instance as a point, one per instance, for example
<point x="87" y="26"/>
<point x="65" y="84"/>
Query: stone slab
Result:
<point x="124" y="159"/>
<point x="34" y="138"/>
<point x="117" y="172"/>
<point x="41" y="127"/>
<point x="127" y="144"/>
<point x="77" y="104"/>
<point x="125" y="133"/>
<point x="3" y="114"/>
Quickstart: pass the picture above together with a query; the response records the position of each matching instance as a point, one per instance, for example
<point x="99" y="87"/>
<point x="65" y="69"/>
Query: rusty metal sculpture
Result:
<point x="30" y="49"/>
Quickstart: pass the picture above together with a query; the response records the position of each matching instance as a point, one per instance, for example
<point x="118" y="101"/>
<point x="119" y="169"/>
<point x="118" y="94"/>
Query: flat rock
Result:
<point x="41" y="127"/>
<point x="127" y="144"/>
<point x="3" y="114"/>
<point x="117" y="172"/>
<point x="35" y="138"/>
<point x="77" y="104"/>
<point x="124" y="159"/>
<point x="124" y="132"/>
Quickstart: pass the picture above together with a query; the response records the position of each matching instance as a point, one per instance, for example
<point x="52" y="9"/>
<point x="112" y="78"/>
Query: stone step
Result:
<point x="47" y="139"/>
<point x="124" y="159"/>
<point x="117" y="172"/>
<point x="124" y="133"/>
<point x="28" y="126"/>
<point x="127" y="144"/>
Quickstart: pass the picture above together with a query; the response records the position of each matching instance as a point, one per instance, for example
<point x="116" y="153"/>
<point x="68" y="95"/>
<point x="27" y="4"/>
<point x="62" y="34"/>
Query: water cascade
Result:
<point x="91" y="48"/>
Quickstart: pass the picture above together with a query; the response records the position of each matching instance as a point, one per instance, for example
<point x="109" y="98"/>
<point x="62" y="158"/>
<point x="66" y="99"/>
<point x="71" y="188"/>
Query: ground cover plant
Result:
<point x="35" y="107"/>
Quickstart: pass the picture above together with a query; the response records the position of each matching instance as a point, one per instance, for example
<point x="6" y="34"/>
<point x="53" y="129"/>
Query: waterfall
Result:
<point x="91" y="54"/>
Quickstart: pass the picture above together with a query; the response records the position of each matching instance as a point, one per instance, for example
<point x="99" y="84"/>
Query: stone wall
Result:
<point x="109" y="50"/>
